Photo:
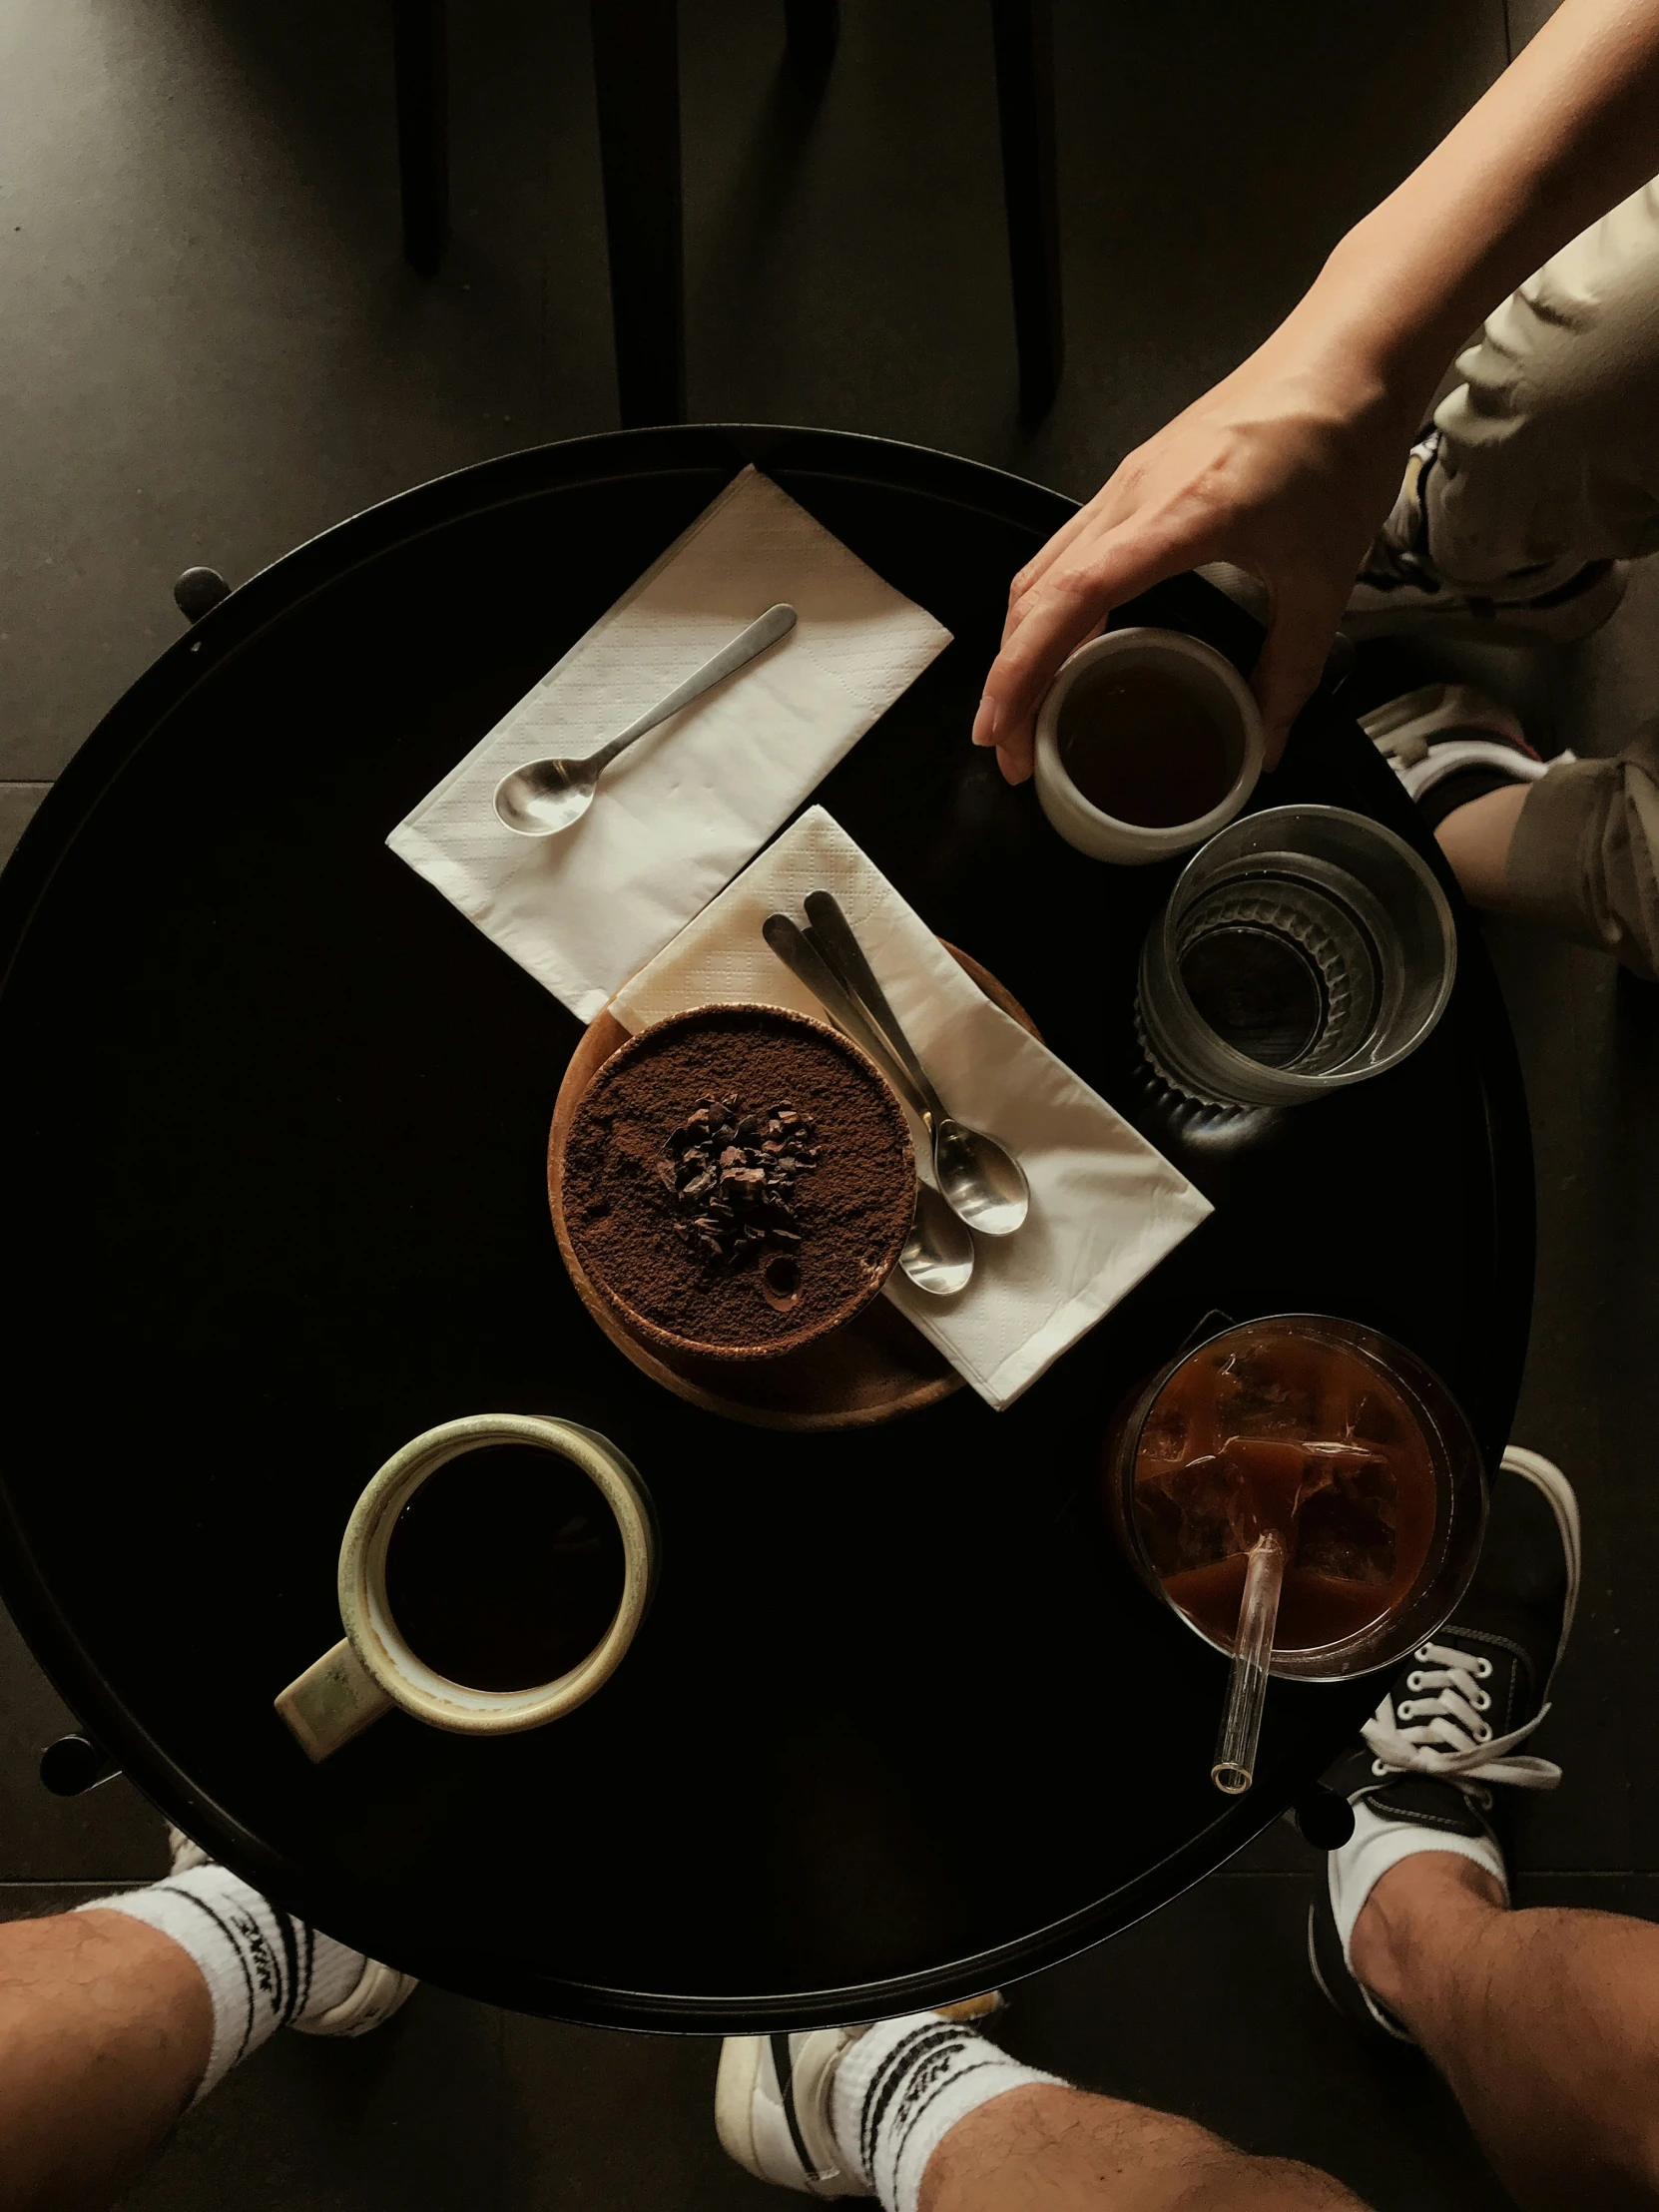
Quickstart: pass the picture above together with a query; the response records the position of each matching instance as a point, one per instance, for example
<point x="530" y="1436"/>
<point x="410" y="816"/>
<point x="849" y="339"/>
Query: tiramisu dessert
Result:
<point x="738" y="1180"/>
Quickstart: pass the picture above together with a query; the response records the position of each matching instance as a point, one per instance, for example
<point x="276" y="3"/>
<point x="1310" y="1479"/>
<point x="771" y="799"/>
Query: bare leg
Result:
<point x="105" y="2029"/>
<point x="1475" y="838"/>
<point x="1545" y="2024"/>
<point x="1576" y="850"/>
<point x="1050" y="2149"/>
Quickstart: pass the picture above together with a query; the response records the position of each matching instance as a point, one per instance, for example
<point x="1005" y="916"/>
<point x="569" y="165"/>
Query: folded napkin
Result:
<point x="1105" y="1207"/>
<point x="686" y="807"/>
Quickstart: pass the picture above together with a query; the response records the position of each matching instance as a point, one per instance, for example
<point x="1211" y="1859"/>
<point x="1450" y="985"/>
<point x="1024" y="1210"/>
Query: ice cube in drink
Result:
<point x="1269" y="1396"/>
<point x="1346" y="1524"/>
<point x="1190" y="1515"/>
<point x="1296" y="1433"/>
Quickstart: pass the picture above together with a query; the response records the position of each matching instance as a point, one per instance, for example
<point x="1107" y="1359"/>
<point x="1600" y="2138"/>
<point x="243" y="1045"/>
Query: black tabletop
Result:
<point x="900" y="1725"/>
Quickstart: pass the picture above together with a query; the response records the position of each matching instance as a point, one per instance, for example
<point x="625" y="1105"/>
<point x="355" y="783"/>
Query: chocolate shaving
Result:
<point x="730" y="1175"/>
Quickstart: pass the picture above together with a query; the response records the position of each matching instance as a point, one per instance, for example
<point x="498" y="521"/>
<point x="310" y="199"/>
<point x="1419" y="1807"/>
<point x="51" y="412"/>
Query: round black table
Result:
<point x="899" y="1725"/>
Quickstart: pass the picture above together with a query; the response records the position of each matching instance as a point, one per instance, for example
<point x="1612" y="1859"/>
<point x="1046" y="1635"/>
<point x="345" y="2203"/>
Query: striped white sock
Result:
<point x="264" y="1968"/>
<point x="900" y="2089"/>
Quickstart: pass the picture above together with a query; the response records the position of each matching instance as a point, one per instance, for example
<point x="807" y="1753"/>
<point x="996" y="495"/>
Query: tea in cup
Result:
<point x="1148" y="742"/>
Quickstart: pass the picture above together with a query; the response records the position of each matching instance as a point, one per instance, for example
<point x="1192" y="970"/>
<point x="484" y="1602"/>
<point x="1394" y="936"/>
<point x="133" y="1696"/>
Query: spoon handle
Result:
<point x="765" y="630"/>
<point x="1247" y="1686"/>
<point x="807" y="964"/>
<point x="823" y="912"/>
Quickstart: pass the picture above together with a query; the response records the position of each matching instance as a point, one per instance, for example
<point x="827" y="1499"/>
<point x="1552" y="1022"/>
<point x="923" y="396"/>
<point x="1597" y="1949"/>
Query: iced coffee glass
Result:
<point x="1337" y="1436"/>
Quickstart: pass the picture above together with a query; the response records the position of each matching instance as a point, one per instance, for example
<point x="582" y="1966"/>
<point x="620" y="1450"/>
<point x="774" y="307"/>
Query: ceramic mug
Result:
<point x="372" y="1667"/>
<point x="1208" y="680"/>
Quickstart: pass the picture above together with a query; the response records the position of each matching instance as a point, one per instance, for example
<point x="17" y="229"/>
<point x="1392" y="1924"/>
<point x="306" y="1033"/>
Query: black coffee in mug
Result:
<point x="505" y="1568"/>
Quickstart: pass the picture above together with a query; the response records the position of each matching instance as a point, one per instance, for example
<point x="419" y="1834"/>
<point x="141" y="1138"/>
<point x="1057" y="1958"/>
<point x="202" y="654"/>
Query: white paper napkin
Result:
<point x="686" y="807"/>
<point x="1105" y="1207"/>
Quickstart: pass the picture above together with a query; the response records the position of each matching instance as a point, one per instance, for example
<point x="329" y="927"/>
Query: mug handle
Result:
<point x="332" y="1701"/>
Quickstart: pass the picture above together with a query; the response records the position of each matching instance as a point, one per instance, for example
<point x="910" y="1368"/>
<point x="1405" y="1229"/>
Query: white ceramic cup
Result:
<point x="372" y="1668"/>
<point x="1210" y="679"/>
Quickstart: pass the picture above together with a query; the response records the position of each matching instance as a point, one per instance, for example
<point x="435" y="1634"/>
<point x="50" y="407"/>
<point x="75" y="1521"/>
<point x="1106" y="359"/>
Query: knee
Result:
<point x="1245" y="2184"/>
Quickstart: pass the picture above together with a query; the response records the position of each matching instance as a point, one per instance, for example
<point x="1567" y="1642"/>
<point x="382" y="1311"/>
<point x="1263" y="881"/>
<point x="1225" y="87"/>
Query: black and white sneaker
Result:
<point x="772" y="2109"/>
<point x="1450" y="1729"/>
<point x="1450" y="743"/>
<point x="771" y="2103"/>
<point x="377" y="1994"/>
<point x="1402" y="588"/>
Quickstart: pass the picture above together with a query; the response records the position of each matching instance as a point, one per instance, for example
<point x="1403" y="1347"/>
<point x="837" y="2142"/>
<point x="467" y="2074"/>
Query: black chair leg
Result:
<point x="813" y="28"/>
<point x="636" y="60"/>
<point x="420" y="62"/>
<point x="1024" y="31"/>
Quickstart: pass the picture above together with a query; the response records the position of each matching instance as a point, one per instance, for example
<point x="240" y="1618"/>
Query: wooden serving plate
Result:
<point x="875" y="1369"/>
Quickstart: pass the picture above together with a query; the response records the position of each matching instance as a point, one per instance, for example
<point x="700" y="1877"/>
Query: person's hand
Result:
<point x="1286" y="469"/>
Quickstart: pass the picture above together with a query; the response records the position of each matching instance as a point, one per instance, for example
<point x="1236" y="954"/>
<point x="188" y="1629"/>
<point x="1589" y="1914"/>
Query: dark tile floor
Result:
<point x="212" y="350"/>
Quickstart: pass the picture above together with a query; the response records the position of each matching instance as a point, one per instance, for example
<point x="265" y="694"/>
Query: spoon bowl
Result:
<point x="939" y="1252"/>
<point x="545" y="797"/>
<point x="984" y="1183"/>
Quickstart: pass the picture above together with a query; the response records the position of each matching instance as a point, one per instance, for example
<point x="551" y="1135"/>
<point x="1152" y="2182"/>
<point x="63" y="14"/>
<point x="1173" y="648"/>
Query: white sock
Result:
<point x="900" y="2089"/>
<point x="1376" y="1845"/>
<point x="264" y="1968"/>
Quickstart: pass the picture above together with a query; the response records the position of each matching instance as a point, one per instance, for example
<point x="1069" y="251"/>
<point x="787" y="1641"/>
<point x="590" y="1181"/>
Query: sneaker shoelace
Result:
<point x="1440" y="1728"/>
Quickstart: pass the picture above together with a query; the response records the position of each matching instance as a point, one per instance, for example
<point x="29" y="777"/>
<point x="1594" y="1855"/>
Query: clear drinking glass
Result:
<point x="1301" y="949"/>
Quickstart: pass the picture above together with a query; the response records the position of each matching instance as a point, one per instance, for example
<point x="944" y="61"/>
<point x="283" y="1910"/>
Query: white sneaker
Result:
<point x="771" y="2103"/>
<point x="772" y="2109"/>
<point x="1442" y="730"/>
<point x="381" y="1991"/>
<point x="378" y="1993"/>
<point x="1402" y="588"/>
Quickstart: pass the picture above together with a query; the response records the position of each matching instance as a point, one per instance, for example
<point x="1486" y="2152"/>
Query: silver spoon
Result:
<point x="544" y="796"/>
<point x="939" y="1255"/>
<point x="939" y="1252"/>
<point x="979" y="1180"/>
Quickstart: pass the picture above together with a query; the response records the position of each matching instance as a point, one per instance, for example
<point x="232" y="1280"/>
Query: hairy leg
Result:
<point x="1544" y="2022"/>
<point x="105" y="2030"/>
<point x="1050" y="2149"/>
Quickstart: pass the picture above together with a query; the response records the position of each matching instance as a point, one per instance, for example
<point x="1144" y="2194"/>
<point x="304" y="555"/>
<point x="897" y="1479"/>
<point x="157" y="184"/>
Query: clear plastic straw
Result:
<point x="1247" y="1688"/>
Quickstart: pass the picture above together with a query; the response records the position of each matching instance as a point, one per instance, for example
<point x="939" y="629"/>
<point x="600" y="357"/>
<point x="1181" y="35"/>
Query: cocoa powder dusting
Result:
<point x="693" y="1202"/>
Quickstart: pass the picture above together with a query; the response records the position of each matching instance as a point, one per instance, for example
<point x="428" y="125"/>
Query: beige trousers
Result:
<point x="1551" y="458"/>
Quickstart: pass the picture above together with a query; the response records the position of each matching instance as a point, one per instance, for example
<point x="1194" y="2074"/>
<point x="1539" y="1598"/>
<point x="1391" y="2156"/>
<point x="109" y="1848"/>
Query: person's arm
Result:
<point x="1289" y="465"/>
